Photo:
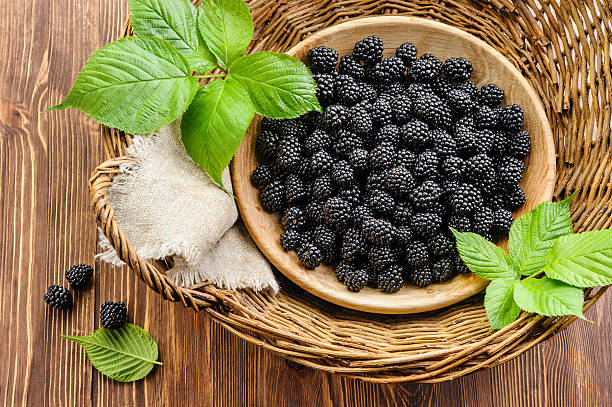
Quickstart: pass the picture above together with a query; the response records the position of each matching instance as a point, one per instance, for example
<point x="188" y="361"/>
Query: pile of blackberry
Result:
<point x="406" y="147"/>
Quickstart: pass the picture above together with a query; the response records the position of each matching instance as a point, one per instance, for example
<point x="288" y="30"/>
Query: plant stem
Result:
<point x="221" y="75"/>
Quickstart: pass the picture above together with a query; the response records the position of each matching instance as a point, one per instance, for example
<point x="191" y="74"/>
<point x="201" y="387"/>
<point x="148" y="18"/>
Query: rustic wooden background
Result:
<point x="46" y="225"/>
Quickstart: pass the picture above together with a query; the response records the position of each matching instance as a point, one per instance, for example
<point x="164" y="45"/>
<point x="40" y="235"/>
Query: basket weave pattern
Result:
<point x="563" y="48"/>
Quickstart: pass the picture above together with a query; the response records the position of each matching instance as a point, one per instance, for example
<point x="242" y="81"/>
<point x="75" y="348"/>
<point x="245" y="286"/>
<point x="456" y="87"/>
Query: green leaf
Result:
<point x="226" y="27"/>
<point x="280" y="86"/>
<point x="499" y="303"/>
<point x="533" y="234"/>
<point x="135" y="84"/>
<point x="214" y="124"/>
<point x="548" y="297"/>
<point x="125" y="354"/>
<point x="176" y="22"/>
<point x="583" y="260"/>
<point x="484" y="258"/>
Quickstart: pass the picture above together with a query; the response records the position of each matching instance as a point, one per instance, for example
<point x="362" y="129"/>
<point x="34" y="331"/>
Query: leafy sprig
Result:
<point x="138" y="84"/>
<point x="546" y="267"/>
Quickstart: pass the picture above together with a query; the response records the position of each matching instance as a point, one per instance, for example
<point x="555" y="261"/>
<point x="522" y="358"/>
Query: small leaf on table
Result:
<point x="280" y="86"/>
<point x="125" y="354"/>
<point x="484" y="258"/>
<point x="135" y="84"/>
<point x="548" y="297"/>
<point x="213" y="126"/>
<point x="175" y="21"/>
<point x="533" y="234"/>
<point x="583" y="259"/>
<point x="499" y="303"/>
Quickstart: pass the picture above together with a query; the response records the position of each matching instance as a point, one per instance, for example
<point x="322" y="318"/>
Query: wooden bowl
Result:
<point x="443" y="41"/>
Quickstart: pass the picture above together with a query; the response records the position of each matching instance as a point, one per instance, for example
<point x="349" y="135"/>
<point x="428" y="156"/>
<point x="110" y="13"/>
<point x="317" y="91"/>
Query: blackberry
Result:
<point x="388" y="134"/>
<point x="510" y="171"/>
<point x="321" y="162"/>
<point x="426" y="194"/>
<point x="426" y="164"/>
<point x="449" y="186"/>
<point x="490" y="95"/>
<point x="113" y="315"/>
<point x="422" y="276"/>
<point x="502" y="221"/>
<point x="382" y="156"/>
<point x="453" y="168"/>
<point x="460" y="265"/>
<point x="401" y="108"/>
<point x="496" y="200"/>
<point x="457" y="69"/>
<point x="273" y="197"/>
<point x="350" y="66"/>
<point x="358" y="159"/>
<point x="468" y="87"/>
<point x="293" y="218"/>
<point x="361" y="120"/>
<point x="486" y="118"/>
<point x="347" y="142"/>
<point x="467" y="142"/>
<point x="353" y="245"/>
<point x="460" y="223"/>
<point x="376" y="179"/>
<point x="418" y="90"/>
<point x="324" y="237"/>
<point x="446" y="118"/>
<point x="294" y="189"/>
<point x="391" y="279"/>
<point x="520" y="144"/>
<point x="347" y="90"/>
<point x="407" y="52"/>
<point x="289" y="153"/>
<point x="441" y="87"/>
<point x="417" y="254"/>
<point x="266" y="146"/>
<point x="58" y="297"/>
<point x="391" y="91"/>
<point x="480" y="167"/>
<point x="426" y="224"/>
<point x="369" y="50"/>
<point x="356" y="279"/>
<point x="443" y="269"/>
<point x="382" y="113"/>
<point x="322" y="59"/>
<point x="416" y="134"/>
<point x="342" y="173"/>
<point x="428" y="108"/>
<point x="314" y="211"/>
<point x="515" y="197"/>
<point x="482" y="221"/>
<point x="466" y="122"/>
<point x="337" y="212"/>
<point x="305" y="173"/>
<point x="443" y="143"/>
<point x="293" y="128"/>
<point x="317" y="140"/>
<point x="290" y="240"/>
<point x="426" y="68"/>
<point x="406" y="159"/>
<point x="335" y="116"/>
<point x="262" y="176"/>
<point x="309" y="256"/>
<point x="388" y="70"/>
<point x="381" y="257"/>
<point x="402" y="213"/>
<point x="378" y="231"/>
<point x="79" y="276"/>
<point x="399" y="182"/>
<point x="460" y="103"/>
<point x="498" y="144"/>
<point x="351" y="194"/>
<point x="511" y="118"/>
<point x="441" y="245"/>
<point x="466" y="199"/>
<point x="381" y="202"/>
<point x="326" y="88"/>
<point x="344" y="268"/>
<point x="311" y="120"/>
<point x="361" y="214"/>
<point x="270" y="125"/>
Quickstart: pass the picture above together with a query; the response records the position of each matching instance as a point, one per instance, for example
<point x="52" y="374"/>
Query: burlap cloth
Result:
<point x="167" y="206"/>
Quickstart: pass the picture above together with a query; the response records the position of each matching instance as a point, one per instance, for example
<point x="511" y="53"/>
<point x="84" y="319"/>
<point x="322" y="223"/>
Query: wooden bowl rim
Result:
<point x="472" y="284"/>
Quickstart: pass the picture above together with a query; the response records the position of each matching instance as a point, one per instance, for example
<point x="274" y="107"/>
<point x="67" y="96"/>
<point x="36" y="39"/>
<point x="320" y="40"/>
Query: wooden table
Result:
<point x="46" y="225"/>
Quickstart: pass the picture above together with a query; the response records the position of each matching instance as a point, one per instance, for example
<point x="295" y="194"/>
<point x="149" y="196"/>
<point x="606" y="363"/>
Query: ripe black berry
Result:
<point x="273" y="197"/>
<point x="466" y="199"/>
<point x="309" y="256"/>
<point x="378" y="231"/>
<point x="290" y="240"/>
<point x="79" y="276"/>
<point x="321" y="162"/>
<point x="322" y="59"/>
<point x="417" y="254"/>
<point x="335" y="116"/>
<point x="457" y="69"/>
<point x="356" y="279"/>
<point x="407" y="52"/>
<point x="426" y="68"/>
<point x="113" y="314"/>
<point x="490" y="95"/>
<point x="391" y="280"/>
<point x="361" y="120"/>
<point x="386" y="71"/>
<point x="381" y="202"/>
<point x="426" y="224"/>
<point x="326" y="88"/>
<point x="350" y="66"/>
<point x="293" y="218"/>
<point x="520" y="144"/>
<point x="399" y="182"/>
<point x="342" y="173"/>
<point x="58" y="297"/>
<point x="369" y="50"/>
<point x="337" y="212"/>
<point x="511" y="118"/>
<point x="502" y="221"/>
<point x="422" y="276"/>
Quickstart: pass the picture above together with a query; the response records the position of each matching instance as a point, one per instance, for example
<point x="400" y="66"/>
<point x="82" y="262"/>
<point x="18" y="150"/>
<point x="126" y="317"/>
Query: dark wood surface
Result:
<point x="46" y="225"/>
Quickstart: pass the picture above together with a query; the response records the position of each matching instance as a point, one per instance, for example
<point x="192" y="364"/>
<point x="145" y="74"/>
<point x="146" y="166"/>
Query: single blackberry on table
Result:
<point x="511" y="118"/>
<point x="322" y="59"/>
<point x="453" y="168"/>
<point x="515" y="197"/>
<point x="416" y="134"/>
<point x="502" y="221"/>
<point x="381" y="202"/>
<point x="426" y="194"/>
<point x="520" y="144"/>
<point x="460" y="223"/>
<point x="422" y="276"/>
<point x="386" y="71"/>
<point x="326" y="88"/>
<point x="381" y="257"/>
<point x="335" y="116"/>
<point x="405" y="158"/>
<point x="309" y="256"/>
<point x="441" y="245"/>
<point x="337" y="212"/>
<point x="378" y="231"/>
<point x="444" y="144"/>
<point x="294" y="189"/>
<point x="428" y="108"/>
<point x="353" y="245"/>
<point x="358" y="159"/>
<point x="486" y="118"/>
<point x="426" y="224"/>
<point x="426" y="164"/>
<point x="113" y="315"/>
<point x="401" y="107"/>
<point x="273" y="197"/>
<point x="466" y="199"/>
<point x="355" y="279"/>
<point x="360" y="120"/>
<point x="344" y="267"/>
<point x="407" y="52"/>
<point x="490" y="95"/>
<point x="391" y="279"/>
<point x="399" y="182"/>
<point x="266" y="146"/>
<point x="324" y="237"/>
<point x="290" y="240"/>
<point x="58" y="297"/>
<point x="369" y="50"/>
<point x="314" y="211"/>
<point x="319" y="139"/>
<point x="293" y="218"/>
<point x="321" y="162"/>
<point x="417" y="254"/>
<point x="271" y="125"/>
<point x="350" y="66"/>
<point x="262" y="175"/>
<point x="457" y="69"/>
<point x="388" y="134"/>
<point x="361" y="213"/>
<point x="425" y="69"/>
<point x="342" y="173"/>
<point x="289" y="154"/>
<point x="443" y="269"/>
<point x="482" y="221"/>
<point x="79" y="276"/>
<point x="510" y="171"/>
<point x="382" y="113"/>
<point x="402" y="213"/>
<point x="382" y="156"/>
<point x="346" y="142"/>
<point x="460" y="103"/>
<point x="403" y="235"/>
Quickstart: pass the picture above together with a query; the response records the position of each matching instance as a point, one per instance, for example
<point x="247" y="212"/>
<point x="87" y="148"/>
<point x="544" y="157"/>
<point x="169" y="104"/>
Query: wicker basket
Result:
<point x="563" y="49"/>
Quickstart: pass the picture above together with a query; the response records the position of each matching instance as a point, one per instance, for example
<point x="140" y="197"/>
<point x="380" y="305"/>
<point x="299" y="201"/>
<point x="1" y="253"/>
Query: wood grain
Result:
<point x="46" y="225"/>
<point x="444" y="42"/>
